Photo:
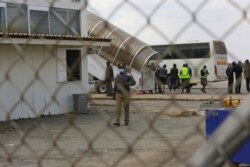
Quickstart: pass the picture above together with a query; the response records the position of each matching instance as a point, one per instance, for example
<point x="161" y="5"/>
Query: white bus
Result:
<point x="196" y="54"/>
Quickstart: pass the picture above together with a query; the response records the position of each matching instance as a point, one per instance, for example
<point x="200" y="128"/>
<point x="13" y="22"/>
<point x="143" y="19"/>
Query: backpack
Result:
<point x="163" y="73"/>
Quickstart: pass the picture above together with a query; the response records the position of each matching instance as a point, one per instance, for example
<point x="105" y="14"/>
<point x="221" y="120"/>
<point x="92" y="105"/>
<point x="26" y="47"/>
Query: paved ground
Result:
<point x="165" y="130"/>
<point x="178" y="97"/>
<point x="90" y="140"/>
<point x="154" y="138"/>
<point x="215" y="91"/>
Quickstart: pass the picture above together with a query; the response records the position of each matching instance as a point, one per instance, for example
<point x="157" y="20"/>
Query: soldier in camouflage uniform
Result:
<point x="123" y="81"/>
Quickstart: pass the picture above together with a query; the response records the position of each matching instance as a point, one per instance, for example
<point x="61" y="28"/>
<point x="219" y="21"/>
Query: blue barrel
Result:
<point x="214" y="117"/>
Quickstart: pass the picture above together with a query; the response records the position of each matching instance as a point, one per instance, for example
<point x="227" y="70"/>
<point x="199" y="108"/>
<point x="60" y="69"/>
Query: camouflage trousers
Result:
<point x="122" y="99"/>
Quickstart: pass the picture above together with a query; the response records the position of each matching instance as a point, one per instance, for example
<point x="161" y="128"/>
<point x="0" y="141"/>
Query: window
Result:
<point x="17" y="18"/>
<point x="39" y="22"/>
<point x="186" y="53"/>
<point x="34" y="19"/>
<point x="73" y="58"/>
<point x="2" y="20"/>
<point x="69" y="65"/>
<point x="74" y="22"/>
<point x="201" y="53"/>
<point x="58" y="21"/>
<point x="64" y="21"/>
<point x="183" y="51"/>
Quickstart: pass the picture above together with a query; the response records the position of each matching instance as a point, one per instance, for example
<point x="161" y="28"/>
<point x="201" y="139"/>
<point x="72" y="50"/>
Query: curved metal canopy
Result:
<point x="124" y="47"/>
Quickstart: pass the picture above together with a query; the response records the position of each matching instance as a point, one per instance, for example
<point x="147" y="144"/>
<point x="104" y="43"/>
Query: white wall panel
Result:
<point x="65" y="92"/>
<point x="49" y="74"/>
<point x="11" y="90"/>
<point x="28" y="74"/>
<point x="3" y="88"/>
<point x="37" y="98"/>
<point x="85" y="77"/>
<point x="39" y="90"/>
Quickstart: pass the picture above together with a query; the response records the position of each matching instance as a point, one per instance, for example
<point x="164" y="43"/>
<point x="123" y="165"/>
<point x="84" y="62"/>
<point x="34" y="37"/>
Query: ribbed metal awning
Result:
<point x="42" y="39"/>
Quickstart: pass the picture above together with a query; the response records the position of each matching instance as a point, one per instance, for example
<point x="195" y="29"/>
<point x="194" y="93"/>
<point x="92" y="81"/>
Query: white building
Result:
<point x="40" y="43"/>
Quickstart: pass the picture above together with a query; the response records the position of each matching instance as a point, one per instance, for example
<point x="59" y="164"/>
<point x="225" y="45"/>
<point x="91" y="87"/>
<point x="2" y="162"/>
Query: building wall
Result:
<point x="28" y="83"/>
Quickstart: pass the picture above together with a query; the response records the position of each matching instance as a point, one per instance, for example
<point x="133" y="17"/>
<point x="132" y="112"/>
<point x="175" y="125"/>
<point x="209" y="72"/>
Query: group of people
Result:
<point x="184" y="75"/>
<point x="123" y="80"/>
<point x="234" y="72"/>
<point x="161" y="74"/>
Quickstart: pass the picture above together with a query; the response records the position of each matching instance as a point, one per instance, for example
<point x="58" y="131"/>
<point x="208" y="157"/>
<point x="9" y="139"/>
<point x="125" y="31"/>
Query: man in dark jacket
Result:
<point x="123" y="81"/>
<point x="174" y="77"/>
<point x="230" y="77"/>
<point x="190" y="73"/>
<point x="247" y="74"/>
<point x="163" y="73"/>
<point x="109" y="77"/>
<point x="238" y="76"/>
<point x="204" y="74"/>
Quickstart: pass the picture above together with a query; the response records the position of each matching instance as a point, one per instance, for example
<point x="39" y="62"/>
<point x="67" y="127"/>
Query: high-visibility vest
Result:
<point x="185" y="73"/>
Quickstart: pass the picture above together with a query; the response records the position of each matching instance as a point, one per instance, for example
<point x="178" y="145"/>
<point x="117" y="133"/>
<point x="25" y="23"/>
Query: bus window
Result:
<point x="167" y="56"/>
<point x="220" y="47"/>
<point x="187" y="53"/>
<point x="201" y="53"/>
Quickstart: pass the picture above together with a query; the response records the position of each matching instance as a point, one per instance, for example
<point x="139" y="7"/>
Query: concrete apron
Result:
<point x="102" y="101"/>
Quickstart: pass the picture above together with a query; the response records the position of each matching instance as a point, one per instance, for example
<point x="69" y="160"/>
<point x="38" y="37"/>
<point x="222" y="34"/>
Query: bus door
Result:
<point x="220" y="67"/>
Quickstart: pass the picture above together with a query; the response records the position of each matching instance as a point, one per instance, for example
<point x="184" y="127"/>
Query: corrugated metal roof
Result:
<point x="52" y="37"/>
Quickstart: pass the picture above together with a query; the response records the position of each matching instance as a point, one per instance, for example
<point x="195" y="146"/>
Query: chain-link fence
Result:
<point x="50" y="52"/>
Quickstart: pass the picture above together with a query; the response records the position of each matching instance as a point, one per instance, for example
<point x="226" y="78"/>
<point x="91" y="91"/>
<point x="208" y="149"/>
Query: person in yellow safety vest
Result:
<point x="185" y="77"/>
<point x="204" y="74"/>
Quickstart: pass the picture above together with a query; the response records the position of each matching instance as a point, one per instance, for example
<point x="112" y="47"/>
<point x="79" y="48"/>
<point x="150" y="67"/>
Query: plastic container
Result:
<point x="80" y="103"/>
<point x="231" y="103"/>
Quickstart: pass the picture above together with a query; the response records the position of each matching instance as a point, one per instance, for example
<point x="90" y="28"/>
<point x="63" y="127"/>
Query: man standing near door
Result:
<point x="109" y="77"/>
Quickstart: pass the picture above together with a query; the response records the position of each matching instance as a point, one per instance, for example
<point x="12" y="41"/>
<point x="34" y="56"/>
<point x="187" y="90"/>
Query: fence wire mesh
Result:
<point x="42" y="67"/>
